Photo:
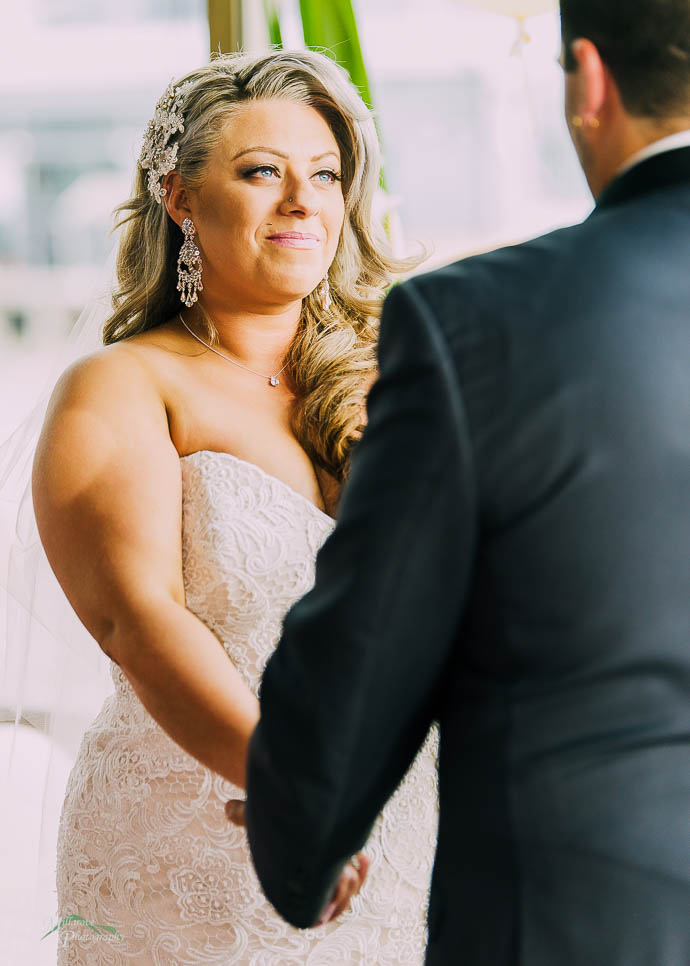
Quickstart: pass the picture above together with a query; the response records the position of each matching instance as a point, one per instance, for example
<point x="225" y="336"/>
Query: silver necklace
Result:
<point x="272" y="380"/>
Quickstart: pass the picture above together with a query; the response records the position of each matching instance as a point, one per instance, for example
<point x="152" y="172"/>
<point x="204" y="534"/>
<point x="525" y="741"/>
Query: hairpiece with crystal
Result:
<point x="158" y="157"/>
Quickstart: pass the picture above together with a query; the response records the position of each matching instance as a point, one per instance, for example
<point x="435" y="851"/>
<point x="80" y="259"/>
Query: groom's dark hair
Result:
<point x="646" y="46"/>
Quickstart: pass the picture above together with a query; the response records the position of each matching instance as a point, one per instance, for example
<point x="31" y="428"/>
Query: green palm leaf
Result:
<point x="330" y="25"/>
<point x="272" y="13"/>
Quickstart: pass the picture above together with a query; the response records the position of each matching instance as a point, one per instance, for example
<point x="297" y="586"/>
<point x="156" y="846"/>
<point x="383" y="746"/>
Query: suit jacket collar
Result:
<point x="661" y="171"/>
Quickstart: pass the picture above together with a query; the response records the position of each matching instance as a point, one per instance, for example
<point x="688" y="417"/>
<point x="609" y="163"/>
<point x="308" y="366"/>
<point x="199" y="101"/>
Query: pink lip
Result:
<point x="295" y="239"/>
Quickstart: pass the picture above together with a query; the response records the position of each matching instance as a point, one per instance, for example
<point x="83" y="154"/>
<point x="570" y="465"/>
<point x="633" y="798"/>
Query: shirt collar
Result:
<point x="679" y="140"/>
<point x="665" y="169"/>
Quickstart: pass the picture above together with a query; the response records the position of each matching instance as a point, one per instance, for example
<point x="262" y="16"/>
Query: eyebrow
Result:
<point x="280" y="154"/>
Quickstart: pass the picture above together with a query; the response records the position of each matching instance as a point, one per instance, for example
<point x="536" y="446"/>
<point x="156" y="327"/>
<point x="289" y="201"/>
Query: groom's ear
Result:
<point x="176" y="198"/>
<point x="592" y="83"/>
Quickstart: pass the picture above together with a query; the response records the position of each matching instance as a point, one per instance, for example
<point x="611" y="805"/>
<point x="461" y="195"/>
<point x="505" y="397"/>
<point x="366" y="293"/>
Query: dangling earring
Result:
<point x="325" y="292"/>
<point x="189" y="279"/>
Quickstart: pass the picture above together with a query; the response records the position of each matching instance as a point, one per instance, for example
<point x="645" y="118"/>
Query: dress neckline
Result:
<point x="262" y="472"/>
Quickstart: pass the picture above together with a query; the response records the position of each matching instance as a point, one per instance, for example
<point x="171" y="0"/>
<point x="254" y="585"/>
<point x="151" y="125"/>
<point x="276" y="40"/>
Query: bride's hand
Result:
<point x="234" y="812"/>
<point x="348" y="885"/>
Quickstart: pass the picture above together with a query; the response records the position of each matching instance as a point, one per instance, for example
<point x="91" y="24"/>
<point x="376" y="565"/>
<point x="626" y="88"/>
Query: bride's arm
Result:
<point x="107" y="495"/>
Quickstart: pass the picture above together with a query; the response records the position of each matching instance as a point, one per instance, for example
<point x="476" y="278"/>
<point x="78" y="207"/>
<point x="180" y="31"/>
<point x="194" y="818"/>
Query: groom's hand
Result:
<point x="348" y="885"/>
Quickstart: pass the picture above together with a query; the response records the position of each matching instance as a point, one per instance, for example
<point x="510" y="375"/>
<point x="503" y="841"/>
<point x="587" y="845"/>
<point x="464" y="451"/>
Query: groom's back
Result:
<point x="565" y="767"/>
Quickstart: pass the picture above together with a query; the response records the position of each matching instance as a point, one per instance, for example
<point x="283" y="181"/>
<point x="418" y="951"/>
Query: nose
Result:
<point x="300" y="198"/>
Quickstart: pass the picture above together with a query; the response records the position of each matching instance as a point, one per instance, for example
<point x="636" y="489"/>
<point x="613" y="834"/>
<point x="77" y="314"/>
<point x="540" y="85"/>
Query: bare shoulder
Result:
<point x="119" y="370"/>
<point x="107" y="486"/>
<point x="108" y="403"/>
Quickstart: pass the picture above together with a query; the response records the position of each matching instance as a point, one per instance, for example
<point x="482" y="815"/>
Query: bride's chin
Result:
<point x="290" y="293"/>
<point x="277" y="302"/>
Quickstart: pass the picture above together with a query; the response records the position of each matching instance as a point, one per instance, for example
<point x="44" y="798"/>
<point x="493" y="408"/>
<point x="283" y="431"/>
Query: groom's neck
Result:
<point x="618" y="147"/>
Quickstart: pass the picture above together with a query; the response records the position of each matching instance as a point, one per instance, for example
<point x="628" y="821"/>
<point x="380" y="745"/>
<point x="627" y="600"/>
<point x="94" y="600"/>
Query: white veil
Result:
<point x="53" y="679"/>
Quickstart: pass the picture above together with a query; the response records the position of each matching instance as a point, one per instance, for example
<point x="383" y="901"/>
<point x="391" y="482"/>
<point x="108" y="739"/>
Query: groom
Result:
<point x="513" y="559"/>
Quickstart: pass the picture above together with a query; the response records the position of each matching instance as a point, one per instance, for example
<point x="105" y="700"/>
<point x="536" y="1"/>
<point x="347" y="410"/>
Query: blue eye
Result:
<point x="328" y="176"/>
<point x="264" y="171"/>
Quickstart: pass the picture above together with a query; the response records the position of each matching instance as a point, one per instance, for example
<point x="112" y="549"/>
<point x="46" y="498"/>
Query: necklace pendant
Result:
<point x="274" y="381"/>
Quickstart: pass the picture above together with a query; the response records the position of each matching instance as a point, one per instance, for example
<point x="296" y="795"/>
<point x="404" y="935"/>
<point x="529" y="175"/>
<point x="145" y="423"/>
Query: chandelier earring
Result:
<point x="189" y="267"/>
<point x="325" y="293"/>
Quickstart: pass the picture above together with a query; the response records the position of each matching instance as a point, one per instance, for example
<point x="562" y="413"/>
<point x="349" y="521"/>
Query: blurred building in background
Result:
<point x="78" y="80"/>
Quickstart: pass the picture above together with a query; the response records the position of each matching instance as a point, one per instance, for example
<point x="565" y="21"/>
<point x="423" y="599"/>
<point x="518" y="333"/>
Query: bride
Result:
<point x="186" y="476"/>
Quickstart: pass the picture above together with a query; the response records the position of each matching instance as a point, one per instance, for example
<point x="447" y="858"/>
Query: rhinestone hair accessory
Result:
<point x="158" y="157"/>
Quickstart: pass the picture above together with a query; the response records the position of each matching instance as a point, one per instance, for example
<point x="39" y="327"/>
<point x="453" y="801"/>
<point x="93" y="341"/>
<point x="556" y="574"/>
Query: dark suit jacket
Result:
<point x="513" y="559"/>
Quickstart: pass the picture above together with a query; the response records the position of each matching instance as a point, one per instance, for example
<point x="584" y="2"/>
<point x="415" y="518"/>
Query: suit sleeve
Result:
<point x="349" y="694"/>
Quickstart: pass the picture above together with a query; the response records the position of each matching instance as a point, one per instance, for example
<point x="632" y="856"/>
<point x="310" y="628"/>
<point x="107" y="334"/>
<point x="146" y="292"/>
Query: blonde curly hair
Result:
<point x="331" y="362"/>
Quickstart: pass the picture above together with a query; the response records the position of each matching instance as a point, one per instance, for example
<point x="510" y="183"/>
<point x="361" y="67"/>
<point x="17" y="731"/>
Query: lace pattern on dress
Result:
<point x="144" y="845"/>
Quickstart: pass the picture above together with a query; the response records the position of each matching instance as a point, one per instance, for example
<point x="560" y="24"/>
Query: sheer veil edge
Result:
<point x="53" y="675"/>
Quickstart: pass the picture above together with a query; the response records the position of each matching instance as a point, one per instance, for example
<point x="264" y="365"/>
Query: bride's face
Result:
<point x="270" y="211"/>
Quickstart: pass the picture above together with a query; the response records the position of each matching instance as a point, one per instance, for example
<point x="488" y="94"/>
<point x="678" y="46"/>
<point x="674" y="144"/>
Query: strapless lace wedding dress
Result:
<point x="144" y="846"/>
